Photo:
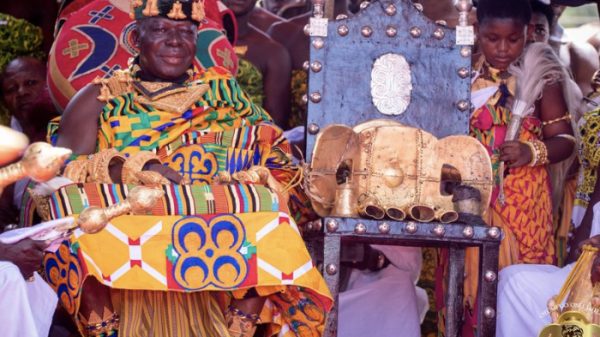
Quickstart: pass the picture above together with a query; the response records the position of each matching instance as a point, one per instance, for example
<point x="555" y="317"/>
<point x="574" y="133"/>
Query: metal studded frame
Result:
<point x="327" y="234"/>
<point x="434" y="95"/>
<point x="341" y="64"/>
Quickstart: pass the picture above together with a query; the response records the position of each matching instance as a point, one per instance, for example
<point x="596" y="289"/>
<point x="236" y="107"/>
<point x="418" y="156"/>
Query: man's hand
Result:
<point x="515" y="154"/>
<point x="26" y="254"/>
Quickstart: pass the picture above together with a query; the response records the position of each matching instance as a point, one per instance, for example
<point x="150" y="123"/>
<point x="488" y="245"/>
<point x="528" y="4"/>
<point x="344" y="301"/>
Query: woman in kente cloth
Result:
<point x="200" y="124"/>
<point x="524" y="212"/>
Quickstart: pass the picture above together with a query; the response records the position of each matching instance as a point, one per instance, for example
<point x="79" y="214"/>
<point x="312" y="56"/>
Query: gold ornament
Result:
<point x="345" y="201"/>
<point x="99" y="166"/>
<point x="151" y="8"/>
<point x="42" y="204"/>
<point x="140" y="200"/>
<point x="397" y="171"/>
<point x="176" y="12"/>
<point x="152" y="179"/>
<point x="41" y="162"/>
<point x="177" y="100"/>
<point x="581" y="313"/>
<point x="198" y="12"/>
<point x="134" y="165"/>
<point x="240" y="325"/>
<point x="77" y="171"/>
<point x="262" y="176"/>
<point x="100" y="326"/>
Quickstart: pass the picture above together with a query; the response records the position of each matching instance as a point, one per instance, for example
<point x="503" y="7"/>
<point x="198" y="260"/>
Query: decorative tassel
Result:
<point x="176" y="12"/>
<point x="198" y="13"/>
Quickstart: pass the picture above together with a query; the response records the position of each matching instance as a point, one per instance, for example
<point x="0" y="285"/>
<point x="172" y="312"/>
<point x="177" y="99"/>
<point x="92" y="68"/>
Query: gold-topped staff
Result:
<point x="41" y="162"/>
<point x="581" y="310"/>
<point x="140" y="200"/>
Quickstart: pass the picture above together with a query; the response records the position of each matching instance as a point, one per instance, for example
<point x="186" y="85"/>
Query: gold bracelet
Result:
<point x="136" y="164"/>
<point x="99" y="166"/>
<point x="541" y="153"/>
<point x="534" y="153"/>
<point x="77" y="171"/>
<point x="556" y="120"/>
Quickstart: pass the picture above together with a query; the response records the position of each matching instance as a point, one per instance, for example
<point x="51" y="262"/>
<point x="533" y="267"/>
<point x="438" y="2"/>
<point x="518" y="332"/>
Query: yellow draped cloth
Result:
<point x="221" y="131"/>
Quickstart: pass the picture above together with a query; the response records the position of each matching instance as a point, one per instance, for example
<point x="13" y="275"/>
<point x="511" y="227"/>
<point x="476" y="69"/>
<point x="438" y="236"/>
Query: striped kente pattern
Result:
<point x="178" y="199"/>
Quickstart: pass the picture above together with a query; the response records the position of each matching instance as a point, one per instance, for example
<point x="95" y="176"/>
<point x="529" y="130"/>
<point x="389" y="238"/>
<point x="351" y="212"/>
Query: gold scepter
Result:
<point x="580" y="312"/>
<point x="41" y="162"/>
<point x="140" y="200"/>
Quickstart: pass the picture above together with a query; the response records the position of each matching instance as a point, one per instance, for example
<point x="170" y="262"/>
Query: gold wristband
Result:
<point x="541" y="157"/>
<point x="534" y="153"/>
<point x="135" y="164"/>
<point x="77" y="171"/>
<point x="99" y="166"/>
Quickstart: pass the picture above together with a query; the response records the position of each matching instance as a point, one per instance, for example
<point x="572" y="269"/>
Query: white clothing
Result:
<point x="523" y="294"/>
<point x="385" y="303"/>
<point x="524" y="291"/>
<point x="26" y="308"/>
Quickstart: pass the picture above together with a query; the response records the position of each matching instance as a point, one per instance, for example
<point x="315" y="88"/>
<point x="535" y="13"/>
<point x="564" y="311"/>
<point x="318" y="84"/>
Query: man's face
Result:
<point x="167" y="47"/>
<point x="540" y="28"/>
<point x="23" y="83"/>
<point x="501" y="41"/>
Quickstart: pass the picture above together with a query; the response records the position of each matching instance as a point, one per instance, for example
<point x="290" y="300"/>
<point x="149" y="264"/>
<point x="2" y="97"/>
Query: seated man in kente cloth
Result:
<point x="226" y="268"/>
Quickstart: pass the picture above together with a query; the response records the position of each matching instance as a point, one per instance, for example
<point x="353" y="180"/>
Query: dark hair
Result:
<point x="519" y="10"/>
<point x="546" y="10"/>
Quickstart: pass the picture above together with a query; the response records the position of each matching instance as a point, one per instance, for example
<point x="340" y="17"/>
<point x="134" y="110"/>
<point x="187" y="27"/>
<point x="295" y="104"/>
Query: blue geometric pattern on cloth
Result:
<point x="209" y="253"/>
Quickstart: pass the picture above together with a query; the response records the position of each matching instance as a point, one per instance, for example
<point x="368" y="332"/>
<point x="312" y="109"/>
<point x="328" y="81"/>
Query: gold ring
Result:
<point x="31" y="278"/>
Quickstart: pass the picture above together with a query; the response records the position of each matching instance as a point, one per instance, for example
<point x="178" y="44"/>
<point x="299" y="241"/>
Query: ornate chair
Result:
<point x="391" y="62"/>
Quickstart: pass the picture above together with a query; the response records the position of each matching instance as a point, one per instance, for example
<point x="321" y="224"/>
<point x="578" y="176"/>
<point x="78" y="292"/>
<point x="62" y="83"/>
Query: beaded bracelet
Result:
<point x="104" y="328"/>
<point x="541" y="153"/>
<point x="237" y="312"/>
<point x="534" y="153"/>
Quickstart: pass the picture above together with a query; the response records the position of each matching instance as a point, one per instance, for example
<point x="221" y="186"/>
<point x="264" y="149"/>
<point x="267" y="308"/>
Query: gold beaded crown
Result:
<point x="173" y="9"/>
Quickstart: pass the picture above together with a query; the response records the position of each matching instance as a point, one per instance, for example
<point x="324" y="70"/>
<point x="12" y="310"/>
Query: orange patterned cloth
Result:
<point x="525" y="217"/>
<point x="527" y="210"/>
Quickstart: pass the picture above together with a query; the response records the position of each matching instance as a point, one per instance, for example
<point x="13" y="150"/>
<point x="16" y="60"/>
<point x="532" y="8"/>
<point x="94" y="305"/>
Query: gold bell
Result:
<point x="345" y="201"/>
